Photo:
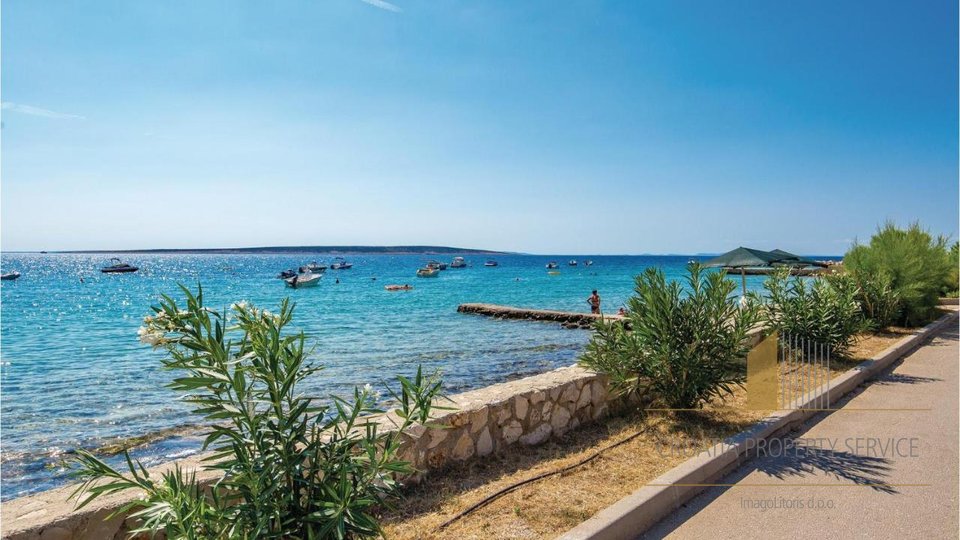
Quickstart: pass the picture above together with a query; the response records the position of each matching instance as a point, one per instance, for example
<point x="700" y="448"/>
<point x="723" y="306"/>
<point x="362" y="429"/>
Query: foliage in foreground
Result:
<point x="951" y="288"/>
<point x="684" y="347"/>
<point x="916" y="265"/>
<point x="824" y="310"/>
<point x="292" y="468"/>
<point x="879" y="301"/>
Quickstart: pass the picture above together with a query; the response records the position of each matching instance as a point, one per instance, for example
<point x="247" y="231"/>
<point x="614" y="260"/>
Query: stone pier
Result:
<point x="567" y="319"/>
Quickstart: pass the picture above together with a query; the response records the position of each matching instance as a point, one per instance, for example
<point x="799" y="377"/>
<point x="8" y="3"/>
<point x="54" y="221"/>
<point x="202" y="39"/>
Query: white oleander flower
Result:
<point x="239" y="305"/>
<point x="150" y="337"/>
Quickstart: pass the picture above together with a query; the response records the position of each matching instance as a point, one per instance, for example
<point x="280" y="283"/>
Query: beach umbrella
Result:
<point x="794" y="260"/>
<point x="748" y="258"/>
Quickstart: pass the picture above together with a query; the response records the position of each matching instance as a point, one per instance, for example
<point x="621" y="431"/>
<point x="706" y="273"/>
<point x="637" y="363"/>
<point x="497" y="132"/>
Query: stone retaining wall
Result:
<point x="526" y="411"/>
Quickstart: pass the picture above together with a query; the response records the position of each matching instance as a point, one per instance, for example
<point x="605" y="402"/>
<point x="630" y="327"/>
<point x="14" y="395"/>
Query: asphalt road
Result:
<point x="859" y="472"/>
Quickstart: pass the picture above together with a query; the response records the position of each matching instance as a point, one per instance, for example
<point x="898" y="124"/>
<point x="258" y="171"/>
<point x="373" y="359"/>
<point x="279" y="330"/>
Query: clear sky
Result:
<point x="549" y="127"/>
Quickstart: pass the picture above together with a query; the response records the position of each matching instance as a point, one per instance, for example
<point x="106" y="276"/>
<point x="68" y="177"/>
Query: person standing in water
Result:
<point x="594" y="301"/>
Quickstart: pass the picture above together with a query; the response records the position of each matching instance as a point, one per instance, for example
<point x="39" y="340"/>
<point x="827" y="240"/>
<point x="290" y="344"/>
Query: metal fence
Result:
<point x="803" y="370"/>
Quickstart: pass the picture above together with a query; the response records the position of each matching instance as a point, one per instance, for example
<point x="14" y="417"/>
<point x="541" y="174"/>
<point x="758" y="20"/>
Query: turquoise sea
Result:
<point x="73" y="374"/>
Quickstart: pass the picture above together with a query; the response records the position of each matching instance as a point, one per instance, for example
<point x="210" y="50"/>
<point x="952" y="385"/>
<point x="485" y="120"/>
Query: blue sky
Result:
<point x="549" y="127"/>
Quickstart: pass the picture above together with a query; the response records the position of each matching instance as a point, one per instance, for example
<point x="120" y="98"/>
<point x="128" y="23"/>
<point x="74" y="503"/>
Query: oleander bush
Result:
<point x="879" y="301"/>
<point x="823" y="309"/>
<point x="683" y="347"/>
<point x="917" y="265"/>
<point x="291" y="466"/>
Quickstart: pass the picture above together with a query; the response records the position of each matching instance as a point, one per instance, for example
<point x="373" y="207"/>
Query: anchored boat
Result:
<point x="312" y="268"/>
<point x="9" y="276"/>
<point x="458" y="262"/>
<point x="118" y="268"/>
<point x="301" y="281"/>
<point x="340" y="263"/>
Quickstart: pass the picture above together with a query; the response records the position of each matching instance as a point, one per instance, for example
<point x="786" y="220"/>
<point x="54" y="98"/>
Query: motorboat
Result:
<point x="287" y="274"/>
<point x="301" y="281"/>
<point x="9" y="276"/>
<point x="588" y="263"/>
<point x="118" y="268"/>
<point x="458" y="262"/>
<point x="572" y="262"/>
<point x="428" y="272"/>
<point x="398" y="287"/>
<point x="552" y="264"/>
<point x="491" y="263"/>
<point x="340" y="263"/>
<point x="312" y="268"/>
<point x="437" y="265"/>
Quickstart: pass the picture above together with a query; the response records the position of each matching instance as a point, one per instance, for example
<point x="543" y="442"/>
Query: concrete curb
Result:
<point x="631" y="516"/>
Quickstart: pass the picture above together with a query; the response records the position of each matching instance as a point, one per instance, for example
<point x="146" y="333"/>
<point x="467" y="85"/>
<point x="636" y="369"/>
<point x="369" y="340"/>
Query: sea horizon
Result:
<point x="413" y="249"/>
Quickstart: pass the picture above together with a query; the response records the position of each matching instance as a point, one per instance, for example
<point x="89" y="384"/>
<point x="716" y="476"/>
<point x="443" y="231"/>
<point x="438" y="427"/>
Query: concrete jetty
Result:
<point x="567" y="319"/>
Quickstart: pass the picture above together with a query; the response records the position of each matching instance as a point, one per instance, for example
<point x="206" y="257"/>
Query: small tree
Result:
<point x="292" y="468"/>
<point x="916" y="264"/>
<point x="684" y="347"/>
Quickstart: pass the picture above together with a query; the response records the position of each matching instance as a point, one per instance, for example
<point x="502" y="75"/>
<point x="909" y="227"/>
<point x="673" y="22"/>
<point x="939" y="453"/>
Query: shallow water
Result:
<point x="74" y="375"/>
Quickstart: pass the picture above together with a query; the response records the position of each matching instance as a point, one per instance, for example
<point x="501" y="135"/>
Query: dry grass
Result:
<point x="548" y="507"/>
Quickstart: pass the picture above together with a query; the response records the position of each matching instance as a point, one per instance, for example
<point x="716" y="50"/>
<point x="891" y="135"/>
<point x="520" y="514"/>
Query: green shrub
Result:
<point x="824" y="310"/>
<point x="684" y="349"/>
<point x="916" y="264"/>
<point x="879" y="301"/>
<point x="951" y="289"/>
<point x="292" y="468"/>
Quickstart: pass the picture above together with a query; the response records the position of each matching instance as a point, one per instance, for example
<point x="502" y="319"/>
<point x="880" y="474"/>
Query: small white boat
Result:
<point x="9" y="276"/>
<point x="572" y="262"/>
<point x="301" y="281"/>
<point x="458" y="262"/>
<point x="436" y="264"/>
<point x="340" y="263"/>
<point x="588" y="263"/>
<point x="312" y="268"/>
<point x="552" y="264"/>
<point x="490" y="263"/>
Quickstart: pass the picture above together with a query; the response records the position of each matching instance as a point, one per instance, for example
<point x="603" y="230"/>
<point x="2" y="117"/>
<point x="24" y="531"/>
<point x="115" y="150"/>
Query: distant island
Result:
<point x="394" y="250"/>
